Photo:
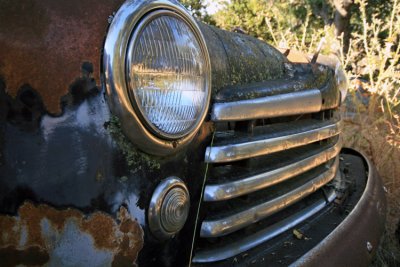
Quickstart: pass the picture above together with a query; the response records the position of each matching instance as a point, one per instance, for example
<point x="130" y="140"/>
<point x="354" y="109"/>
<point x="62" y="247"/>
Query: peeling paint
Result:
<point x="43" y="235"/>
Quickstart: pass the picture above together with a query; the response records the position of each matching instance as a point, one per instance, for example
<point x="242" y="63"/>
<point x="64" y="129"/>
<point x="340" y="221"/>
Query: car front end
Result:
<point x="142" y="136"/>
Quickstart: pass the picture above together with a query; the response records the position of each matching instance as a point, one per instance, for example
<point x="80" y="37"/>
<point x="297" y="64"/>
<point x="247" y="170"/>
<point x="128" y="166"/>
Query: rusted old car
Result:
<point x="132" y="134"/>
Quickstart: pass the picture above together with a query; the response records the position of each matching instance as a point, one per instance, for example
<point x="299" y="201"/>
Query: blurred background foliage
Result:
<point x="365" y="36"/>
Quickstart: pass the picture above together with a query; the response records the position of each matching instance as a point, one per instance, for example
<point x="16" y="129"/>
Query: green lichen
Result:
<point x="247" y="69"/>
<point x="250" y="95"/>
<point x="135" y="159"/>
<point x="321" y="76"/>
<point x="123" y="178"/>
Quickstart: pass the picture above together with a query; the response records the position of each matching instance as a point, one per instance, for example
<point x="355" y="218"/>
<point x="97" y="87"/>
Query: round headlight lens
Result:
<point x="168" y="74"/>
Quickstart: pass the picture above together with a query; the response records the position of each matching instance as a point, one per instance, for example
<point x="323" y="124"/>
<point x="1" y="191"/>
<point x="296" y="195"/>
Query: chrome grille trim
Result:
<point x="309" y="101"/>
<point x="239" y="151"/>
<point x="234" y="222"/>
<point x="251" y="184"/>
<point x="249" y="242"/>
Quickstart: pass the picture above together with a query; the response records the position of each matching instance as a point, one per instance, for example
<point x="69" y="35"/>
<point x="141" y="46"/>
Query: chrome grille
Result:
<point x="267" y="169"/>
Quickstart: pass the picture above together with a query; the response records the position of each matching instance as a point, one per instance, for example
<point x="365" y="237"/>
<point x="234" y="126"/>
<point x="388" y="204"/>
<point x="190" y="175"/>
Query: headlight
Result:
<point x="157" y="74"/>
<point x="167" y="75"/>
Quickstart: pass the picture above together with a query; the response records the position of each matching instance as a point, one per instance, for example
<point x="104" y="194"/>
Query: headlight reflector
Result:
<point x="167" y="74"/>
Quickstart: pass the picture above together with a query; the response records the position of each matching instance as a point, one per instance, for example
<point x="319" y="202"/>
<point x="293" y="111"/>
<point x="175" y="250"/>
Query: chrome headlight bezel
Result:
<point x="133" y="48"/>
<point x="116" y="48"/>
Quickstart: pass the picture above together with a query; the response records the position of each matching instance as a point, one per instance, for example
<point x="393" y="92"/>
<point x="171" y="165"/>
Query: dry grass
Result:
<point x="368" y="129"/>
<point x="374" y="127"/>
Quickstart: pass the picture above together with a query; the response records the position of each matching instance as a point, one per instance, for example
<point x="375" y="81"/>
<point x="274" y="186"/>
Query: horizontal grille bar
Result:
<point x="247" y="185"/>
<point x="309" y="101"/>
<point x="251" y="241"/>
<point x="239" y="151"/>
<point x="229" y="224"/>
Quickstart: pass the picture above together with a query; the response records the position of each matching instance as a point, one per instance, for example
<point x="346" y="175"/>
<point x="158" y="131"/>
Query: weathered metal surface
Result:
<point x="81" y="160"/>
<point x="327" y="67"/>
<point x="43" y="235"/>
<point x="364" y="225"/>
<point x="365" y="208"/>
<point x="43" y="44"/>
<point x="50" y="62"/>
<point x="301" y="80"/>
<point x="246" y="68"/>
<point x="238" y="59"/>
<point x="252" y="240"/>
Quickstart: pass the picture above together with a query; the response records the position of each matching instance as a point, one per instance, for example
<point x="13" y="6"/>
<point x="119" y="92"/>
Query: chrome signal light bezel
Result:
<point x="161" y="208"/>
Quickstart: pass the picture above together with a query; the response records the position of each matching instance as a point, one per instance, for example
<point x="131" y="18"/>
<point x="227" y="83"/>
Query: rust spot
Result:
<point x="43" y="43"/>
<point x="101" y="228"/>
<point x="31" y="217"/>
<point x="129" y="243"/>
<point x="40" y="230"/>
<point x="9" y="231"/>
<point x="125" y="227"/>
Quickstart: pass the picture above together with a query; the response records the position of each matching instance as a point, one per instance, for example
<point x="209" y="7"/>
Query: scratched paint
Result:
<point x="43" y="235"/>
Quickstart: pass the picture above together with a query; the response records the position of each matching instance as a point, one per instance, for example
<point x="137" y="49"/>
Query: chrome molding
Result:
<point x="218" y="192"/>
<point x="115" y="80"/>
<point x="234" y="152"/>
<point x="254" y="214"/>
<point x="267" y="107"/>
<point x="251" y="241"/>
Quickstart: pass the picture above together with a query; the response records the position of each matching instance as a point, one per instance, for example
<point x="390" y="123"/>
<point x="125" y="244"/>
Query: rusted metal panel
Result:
<point x="43" y="43"/>
<point x="43" y="235"/>
<point x="81" y="160"/>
